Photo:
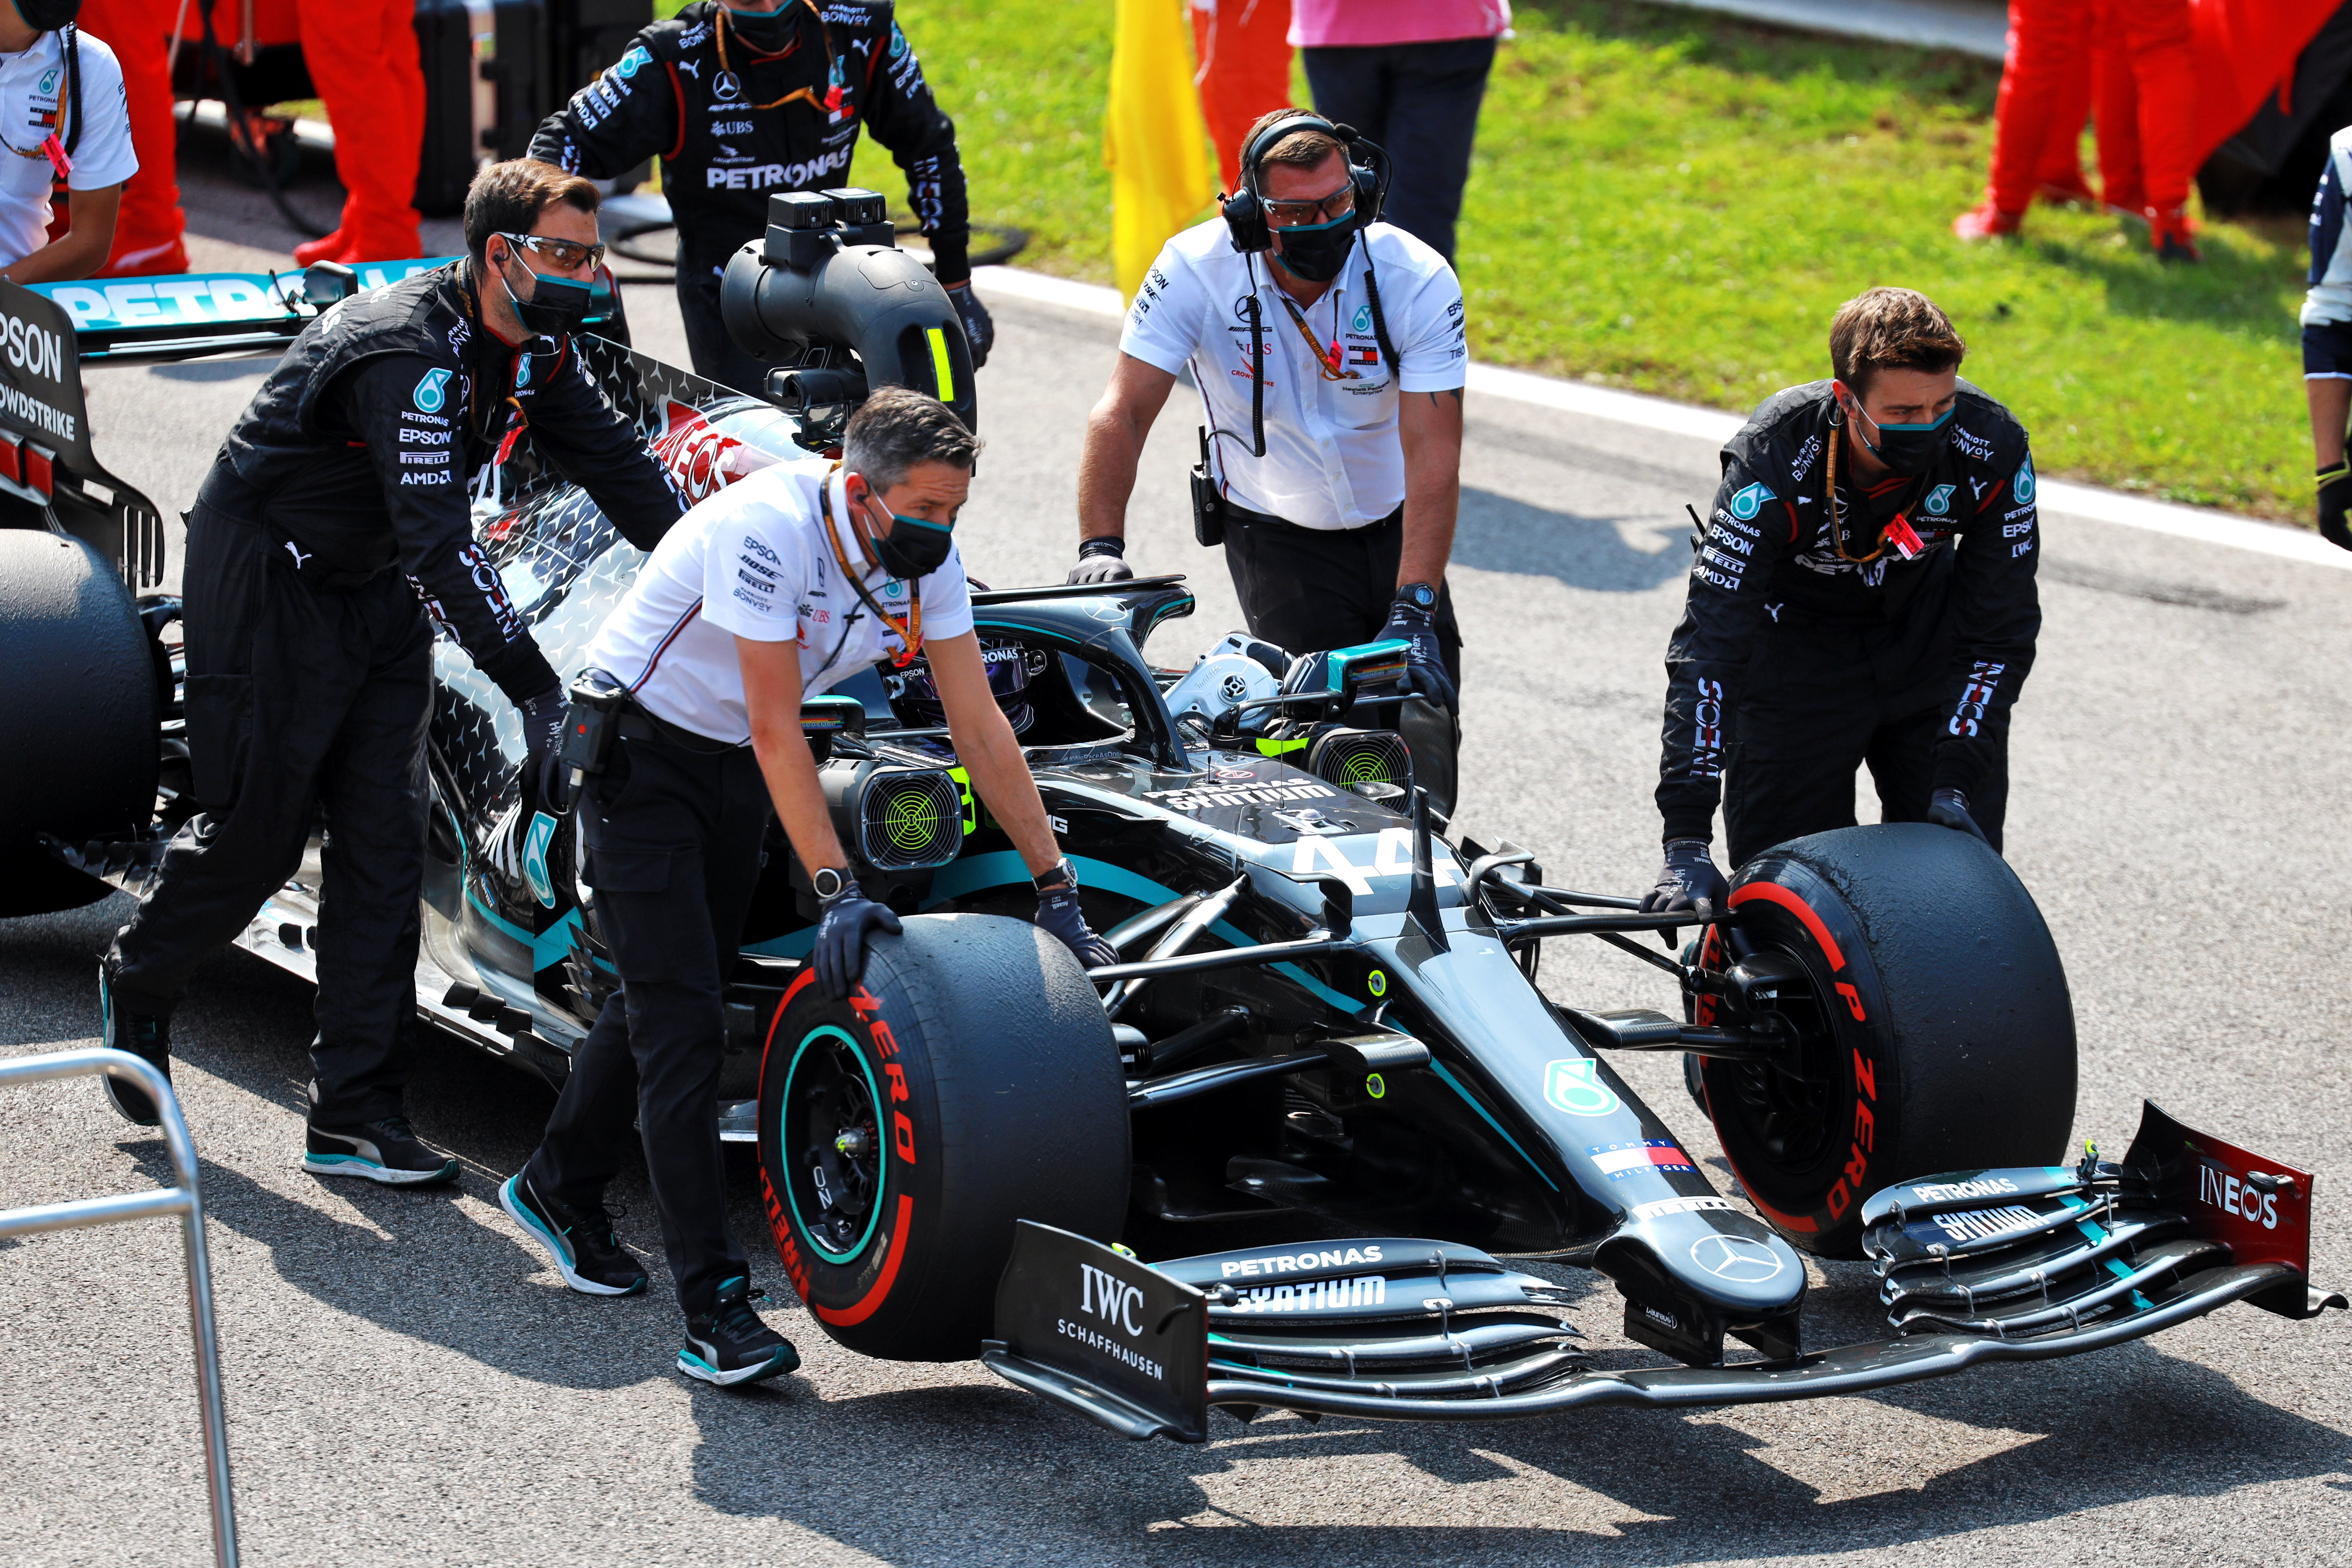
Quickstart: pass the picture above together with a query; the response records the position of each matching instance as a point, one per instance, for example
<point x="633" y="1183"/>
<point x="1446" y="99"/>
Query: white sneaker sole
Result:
<point x="695" y="1367"/>
<point x="368" y="1169"/>
<point x="536" y="1232"/>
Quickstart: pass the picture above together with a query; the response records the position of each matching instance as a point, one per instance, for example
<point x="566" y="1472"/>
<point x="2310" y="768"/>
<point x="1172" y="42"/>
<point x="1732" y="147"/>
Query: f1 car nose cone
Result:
<point x="1743" y="1260"/>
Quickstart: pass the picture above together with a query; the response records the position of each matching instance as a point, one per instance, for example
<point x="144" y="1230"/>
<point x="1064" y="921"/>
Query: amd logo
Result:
<point x="1109" y="1297"/>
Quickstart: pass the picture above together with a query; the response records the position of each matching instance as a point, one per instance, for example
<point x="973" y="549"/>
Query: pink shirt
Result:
<point x="1324" y="23"/>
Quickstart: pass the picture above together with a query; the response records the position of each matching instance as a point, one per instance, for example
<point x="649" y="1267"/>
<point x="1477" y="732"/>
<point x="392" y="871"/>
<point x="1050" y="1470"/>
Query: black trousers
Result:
<point x="298" y="699"/>
<point x="1824" y="700"/>
<point x="1308" y="589"/>
<point x="673" y="854"/>
<point x="1419" y="103"/>
<point x="716" y="356"/>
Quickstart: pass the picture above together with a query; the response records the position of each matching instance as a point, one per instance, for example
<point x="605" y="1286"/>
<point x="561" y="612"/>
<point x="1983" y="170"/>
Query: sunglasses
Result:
<point x="569" y="255"/>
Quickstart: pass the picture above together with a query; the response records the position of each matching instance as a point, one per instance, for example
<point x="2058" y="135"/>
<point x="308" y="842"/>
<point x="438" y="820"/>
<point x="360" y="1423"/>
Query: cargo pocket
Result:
<point x="628" y="870"/>
<point x="219" y="711"/>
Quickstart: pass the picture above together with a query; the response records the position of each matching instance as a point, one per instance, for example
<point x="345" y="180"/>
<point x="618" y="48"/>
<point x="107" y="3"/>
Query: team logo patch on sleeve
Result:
<point x="1749" y="501"/>
<point x="432" y="392"/>
<point x="1940" y="500"/>
<point x="2022" y="486"/>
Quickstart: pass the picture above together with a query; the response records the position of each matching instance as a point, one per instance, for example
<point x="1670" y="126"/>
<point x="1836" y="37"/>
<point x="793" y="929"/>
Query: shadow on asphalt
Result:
<point x="1496" y="533"/>
<point x="961" y="1468"/>
<point x="2077" y="1436"/>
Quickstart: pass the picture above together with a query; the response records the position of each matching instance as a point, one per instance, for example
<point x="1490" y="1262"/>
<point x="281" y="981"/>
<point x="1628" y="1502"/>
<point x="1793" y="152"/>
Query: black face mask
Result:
<point x="766" y="31"/>
<point x="1316" y="251"/>
<point x="914" y="549"/>
<point x="556" y="306"/>
<point x="1907" y="448"/>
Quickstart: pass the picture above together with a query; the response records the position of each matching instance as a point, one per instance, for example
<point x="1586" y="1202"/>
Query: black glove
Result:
<point x="543" y="741"/>
<point x="1688" y="880"/>
<point x="1950" y="809"/>
<point x="2334" y="497"/>
<point x="1416" y="623"/>
<point x="1101" y="560"/>
<point x="1059" y="913"/>
<point x="842" y="923"/>
<point x="978" y="330"/>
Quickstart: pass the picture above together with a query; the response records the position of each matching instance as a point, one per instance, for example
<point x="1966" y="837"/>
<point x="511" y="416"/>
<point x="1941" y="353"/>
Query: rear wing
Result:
<point x="48" y="461"/>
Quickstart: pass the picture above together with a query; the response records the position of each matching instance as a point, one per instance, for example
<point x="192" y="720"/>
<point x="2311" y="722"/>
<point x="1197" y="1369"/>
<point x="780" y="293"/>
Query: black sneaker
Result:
<point x="384" y="1151"/>
<point x="144" y="1035"/>
<point x="729" y="1344"/>
<point x="586" y="1253"/>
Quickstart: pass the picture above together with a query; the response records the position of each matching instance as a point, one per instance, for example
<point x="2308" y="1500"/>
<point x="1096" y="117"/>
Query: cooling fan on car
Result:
<point x="1354" y="758"/>
<point x="898" y="818"/>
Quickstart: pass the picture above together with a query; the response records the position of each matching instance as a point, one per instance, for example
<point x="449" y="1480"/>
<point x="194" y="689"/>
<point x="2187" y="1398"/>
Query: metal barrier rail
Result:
<point x="181" y="1201"/>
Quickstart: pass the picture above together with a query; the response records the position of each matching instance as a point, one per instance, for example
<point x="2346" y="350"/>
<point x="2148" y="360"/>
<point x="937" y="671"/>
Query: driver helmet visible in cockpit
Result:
<point x="1009" y="665"/>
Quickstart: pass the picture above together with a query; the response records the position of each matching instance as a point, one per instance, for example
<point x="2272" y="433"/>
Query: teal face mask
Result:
<point x="1907" y="449"/>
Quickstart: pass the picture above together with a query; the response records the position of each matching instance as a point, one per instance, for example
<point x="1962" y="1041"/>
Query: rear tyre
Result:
<point x="79" y="742"/>
<point x="971" y="1081"/>
<point x="1936" y="1033"/>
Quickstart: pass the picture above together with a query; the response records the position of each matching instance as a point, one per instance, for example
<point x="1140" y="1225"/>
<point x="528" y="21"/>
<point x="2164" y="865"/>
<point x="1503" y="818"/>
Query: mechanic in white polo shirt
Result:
<point x="62" y="117"/>
<point x="779" y="588"/>
<point x="1333" y="477"/>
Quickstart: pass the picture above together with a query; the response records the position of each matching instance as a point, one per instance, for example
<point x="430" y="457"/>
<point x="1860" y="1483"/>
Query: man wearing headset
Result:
<point x="1329" y="352"/>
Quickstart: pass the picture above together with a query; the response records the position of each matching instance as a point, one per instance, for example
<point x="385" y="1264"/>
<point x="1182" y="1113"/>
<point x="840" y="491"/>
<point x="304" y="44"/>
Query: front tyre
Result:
<point x="969" y="1081"/>
<point x="1934" y="1031"/>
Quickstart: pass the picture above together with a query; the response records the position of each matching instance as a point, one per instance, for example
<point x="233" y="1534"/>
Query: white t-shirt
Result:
<point x="1333" y="458"/>
<point x="753" y="562"/>
<point x="33" y="104"/>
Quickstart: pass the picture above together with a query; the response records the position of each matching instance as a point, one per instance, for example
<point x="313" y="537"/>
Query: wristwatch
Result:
<point x="1060" y="876"/>
<point x="1420" y="595"/>
<point x="830" y="882"/>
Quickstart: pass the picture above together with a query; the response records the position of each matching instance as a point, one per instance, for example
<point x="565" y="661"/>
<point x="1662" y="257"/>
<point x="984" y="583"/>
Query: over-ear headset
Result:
<point x="1367" y="166"/>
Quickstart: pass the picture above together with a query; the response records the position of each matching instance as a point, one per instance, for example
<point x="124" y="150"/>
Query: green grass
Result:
<point x="1672" y="203"/>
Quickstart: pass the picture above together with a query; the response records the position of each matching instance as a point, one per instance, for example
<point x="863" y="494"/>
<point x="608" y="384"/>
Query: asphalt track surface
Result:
<point x="408" y="1383"/>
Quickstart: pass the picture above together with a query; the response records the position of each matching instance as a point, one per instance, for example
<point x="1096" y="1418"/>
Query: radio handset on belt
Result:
<point x="1208" y="501"/>
<point x="589" y="725"/>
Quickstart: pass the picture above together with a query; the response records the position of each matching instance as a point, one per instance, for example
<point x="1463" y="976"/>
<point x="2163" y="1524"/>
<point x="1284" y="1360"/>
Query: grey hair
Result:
<point x="897" y="427"/>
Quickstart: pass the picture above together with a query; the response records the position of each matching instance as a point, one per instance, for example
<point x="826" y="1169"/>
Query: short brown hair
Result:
<point x="897" y="427"/>
<point x="507" y="198"/>
<point x="1304" y="148"/>
<point x="1891" y="329"/>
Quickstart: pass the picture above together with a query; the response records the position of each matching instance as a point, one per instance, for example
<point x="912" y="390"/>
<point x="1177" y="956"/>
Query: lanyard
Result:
<point x="910" y="630"/>
<point x="1328" y="362"/>
<point x="829" y="104"/>
<point x="1897" y="530"/>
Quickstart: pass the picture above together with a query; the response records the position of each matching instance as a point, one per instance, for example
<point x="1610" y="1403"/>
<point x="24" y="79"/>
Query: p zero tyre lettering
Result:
<point x="874" y="1298"/>
<point x="1937" y="1034"/>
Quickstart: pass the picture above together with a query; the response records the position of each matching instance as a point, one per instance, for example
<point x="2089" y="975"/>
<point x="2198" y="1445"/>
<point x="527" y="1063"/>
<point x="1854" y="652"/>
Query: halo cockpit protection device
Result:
<point x="827" y="296"/>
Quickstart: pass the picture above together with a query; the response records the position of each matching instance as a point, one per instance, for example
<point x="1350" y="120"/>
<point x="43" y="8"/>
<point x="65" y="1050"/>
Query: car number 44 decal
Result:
<point x="1392" y="857"/>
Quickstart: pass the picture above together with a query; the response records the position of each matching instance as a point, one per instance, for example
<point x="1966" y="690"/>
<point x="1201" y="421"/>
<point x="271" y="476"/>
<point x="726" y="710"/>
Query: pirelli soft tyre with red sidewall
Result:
<point x="1937" y="1036"/>
<point x="969" y="1081"/>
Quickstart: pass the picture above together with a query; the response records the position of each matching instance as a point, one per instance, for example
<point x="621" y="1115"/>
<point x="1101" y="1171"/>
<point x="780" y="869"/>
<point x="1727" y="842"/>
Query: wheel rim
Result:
<point x="1795" y="1106"/>
<point x="829" y="1144"/>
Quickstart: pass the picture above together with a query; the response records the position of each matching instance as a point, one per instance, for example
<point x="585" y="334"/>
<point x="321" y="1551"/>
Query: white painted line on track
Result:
<point x="1713" y="424"/>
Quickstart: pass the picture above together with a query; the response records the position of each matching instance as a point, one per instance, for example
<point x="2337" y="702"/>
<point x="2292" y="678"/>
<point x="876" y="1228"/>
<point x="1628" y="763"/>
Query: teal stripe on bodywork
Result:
<point x="550" y="947"/>
<point x="1456" y="1085"/>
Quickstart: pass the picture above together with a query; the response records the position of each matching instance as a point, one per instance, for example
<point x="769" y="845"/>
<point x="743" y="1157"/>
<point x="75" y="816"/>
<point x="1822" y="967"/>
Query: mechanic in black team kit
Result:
<point x="337" y="503"/>
<point x="772" y="591"/>
<point x="1864" y="597"/>
<point x="742" y="100"/>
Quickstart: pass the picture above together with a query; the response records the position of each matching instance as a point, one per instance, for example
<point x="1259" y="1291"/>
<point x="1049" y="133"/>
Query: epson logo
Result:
<point x="1109" y="1297"/>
